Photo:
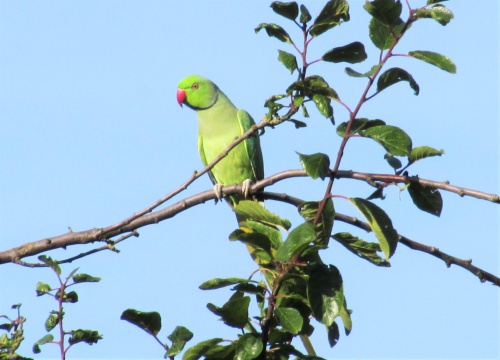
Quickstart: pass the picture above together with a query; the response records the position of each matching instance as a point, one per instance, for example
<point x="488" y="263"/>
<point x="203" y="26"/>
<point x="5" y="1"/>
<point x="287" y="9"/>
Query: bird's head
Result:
<point x="197" y="92"/>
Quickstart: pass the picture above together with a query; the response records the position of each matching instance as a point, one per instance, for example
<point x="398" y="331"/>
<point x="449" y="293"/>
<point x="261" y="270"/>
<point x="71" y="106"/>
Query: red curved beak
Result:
<point x="181" y="96"/>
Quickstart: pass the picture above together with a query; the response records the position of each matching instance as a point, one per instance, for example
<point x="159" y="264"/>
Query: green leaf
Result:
<point x="259" y="244"/>
<point x="313" y="85"/>
<point x="179" y="337"/>
<point x="363" y="249"/>
<point x="71" y="297"/>
<point x="385" y="11"/>
<point x="197" y="351"/>
<point x="333" y="334"/>
<point x="255" y="211"/>
<point x="395" y="75"/>
<point x="383" y="36"/>
<point x="316" y="165"/>
<point x="426" y="199"/>
<point x="87" y="336"/>
<point x="351" y="53"/>
<point x="46" y="339"/>
<point x="334" y="13"/>
<point x="218" y="283"/>
<point x="422" y="152"/>
<point x="290" y="319"/>
<point x="298" y="124"/>
<point x="276" y="31"/>
<point x="221" y="352"/>
<point x="357" y="125"/>
<point x="392" y="138"/>
<point x="269" y="231"/>
<point x="289" y="10"/>
<point x="150" y="322"/>
<point x="441" y="61"/>
<point x="324" y="226"/>
<point x="298" y="239"/>
<point x="345" y="315"/>
<point x="323" y="289"/>
<point x="305" y="16"/>
<point x="51" y="263"/>
<point x="248" y="347"/>
<point x="80" y="278"/>
<point x="367" y="74"/>
<point x="323" y="105"/>
<point x="393" y="161"/>
<point x="288" y="60"/>
<point x="440" y="13"/>
<point x="51" y="322"/>
<point x="430" y="2"/>
<point x="42" y="288"/>
<point x="234" y="313"/>
<point x="380" y="224"/>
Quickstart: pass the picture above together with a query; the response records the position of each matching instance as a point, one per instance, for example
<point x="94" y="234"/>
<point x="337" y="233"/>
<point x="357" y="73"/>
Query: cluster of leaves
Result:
<point x="11" y="340"/>
<point x="56" y="317"/>
<point x="298" y="287"/>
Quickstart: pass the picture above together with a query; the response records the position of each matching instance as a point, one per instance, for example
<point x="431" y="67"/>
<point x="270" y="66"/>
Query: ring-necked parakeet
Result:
<point x="219" y="123"/>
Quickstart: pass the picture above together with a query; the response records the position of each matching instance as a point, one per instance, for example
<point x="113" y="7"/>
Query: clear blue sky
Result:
<point x="91" y="133"/>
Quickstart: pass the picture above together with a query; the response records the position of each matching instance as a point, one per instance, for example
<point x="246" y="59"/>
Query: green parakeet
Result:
<point x="219" y="123"/>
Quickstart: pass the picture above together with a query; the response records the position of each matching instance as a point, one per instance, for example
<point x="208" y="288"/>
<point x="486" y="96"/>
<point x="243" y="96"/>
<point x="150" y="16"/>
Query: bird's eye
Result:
<point x="195" y="86"/>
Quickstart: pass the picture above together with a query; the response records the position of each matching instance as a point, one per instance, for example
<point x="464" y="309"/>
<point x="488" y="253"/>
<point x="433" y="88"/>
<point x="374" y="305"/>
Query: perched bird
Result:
<point x="219" y="123"/>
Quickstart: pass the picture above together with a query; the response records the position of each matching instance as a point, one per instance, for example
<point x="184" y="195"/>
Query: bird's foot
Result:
<point x="218" y="192"/>
<point x="245" y="187"/>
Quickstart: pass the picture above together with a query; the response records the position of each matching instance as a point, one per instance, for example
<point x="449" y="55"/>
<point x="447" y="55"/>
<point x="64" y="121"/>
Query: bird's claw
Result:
<point x="245" y="187"/>
<point x="218" y="192"/>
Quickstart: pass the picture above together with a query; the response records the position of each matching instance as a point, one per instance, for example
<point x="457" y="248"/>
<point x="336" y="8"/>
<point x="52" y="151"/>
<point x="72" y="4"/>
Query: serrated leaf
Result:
<point x="422" y="152"/>
<point x="323" y="289"/>
<point x="276" y="31"/>
<point x="298" y="239"/>
<point x="288" y="60"/>
<point x="197" y="351"/>
<point x="438" y="12"/>
<point x="316" y="165"/>
<point x="290" y="319"/>
<point x="51" y="263"/>
<point x="42" y="288"/>
<point x="426" y="199"/>
<point x="334" y="13"/>
<point x="361" y="248"/>
<point x="87" y="336"/>
<point x="357" y="125"/>
<point x="395" y="75"/>
<point x="392" y="138"/>
<point x="383" y="36"/>
<point x="351" y="53"/>
<point x="289" y="10"/>
<point x="80" y="278"/>
<point x="305" y="16"/>
<point x="385" y="11"/>
<point x="253" y="210"/>
<point x="248" y="347"/>
<point x="51" y="322"/>
<point x="354" y="73"/>
<point x="441" y="61"/>
<point x="380" y="224"/>
<point x="234" y="313"/>
<point x="324" y="226"/>
<point x="150" y="322"/>
<point x="179" y="337"/>
<point x="333" y="334"/>
<point x="46" y="339"/>
<point x="218" y="283"/>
